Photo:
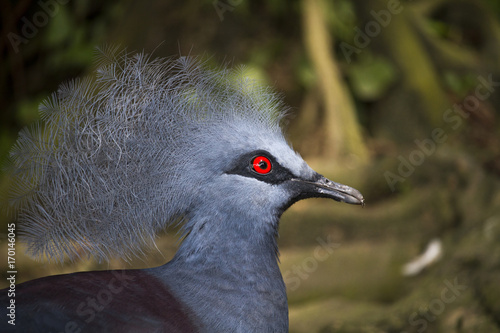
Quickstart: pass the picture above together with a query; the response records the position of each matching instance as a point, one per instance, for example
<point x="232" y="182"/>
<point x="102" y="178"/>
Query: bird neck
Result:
<point x="230" y="234"/>
<point x="231" y="263"/>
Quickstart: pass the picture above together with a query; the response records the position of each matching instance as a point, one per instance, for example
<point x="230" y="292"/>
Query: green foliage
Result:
<point x="341" y="17"/>
<point x="371" y="76"/>
<point x="460" y="85"/>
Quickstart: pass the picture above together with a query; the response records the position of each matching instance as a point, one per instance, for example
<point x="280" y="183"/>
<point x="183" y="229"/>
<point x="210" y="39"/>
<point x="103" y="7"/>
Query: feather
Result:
<point x="116" y="156"/>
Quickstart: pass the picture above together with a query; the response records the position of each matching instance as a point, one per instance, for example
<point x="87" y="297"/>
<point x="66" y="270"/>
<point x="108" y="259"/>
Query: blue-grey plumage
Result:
<point x="150" y="143"/>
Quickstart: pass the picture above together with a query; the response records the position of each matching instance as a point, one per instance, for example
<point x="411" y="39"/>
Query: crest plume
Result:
<point x="116" y="156"/>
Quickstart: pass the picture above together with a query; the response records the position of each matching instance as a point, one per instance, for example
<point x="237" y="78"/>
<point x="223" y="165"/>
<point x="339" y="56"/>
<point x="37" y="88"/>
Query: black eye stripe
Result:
<point x="272" y="172"/>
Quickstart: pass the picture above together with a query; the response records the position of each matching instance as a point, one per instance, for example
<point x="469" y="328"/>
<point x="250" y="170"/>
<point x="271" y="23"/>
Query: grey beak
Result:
<point x="324" y="188"/>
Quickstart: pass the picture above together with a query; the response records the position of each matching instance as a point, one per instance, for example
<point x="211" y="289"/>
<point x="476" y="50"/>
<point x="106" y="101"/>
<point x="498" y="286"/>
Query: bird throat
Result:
<point x="240" y="274"/>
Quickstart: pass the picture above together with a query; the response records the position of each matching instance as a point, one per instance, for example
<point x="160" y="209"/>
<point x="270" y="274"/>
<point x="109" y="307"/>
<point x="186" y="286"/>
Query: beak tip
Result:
<point x="356" y="196"/>
<point x="356" y="201"/>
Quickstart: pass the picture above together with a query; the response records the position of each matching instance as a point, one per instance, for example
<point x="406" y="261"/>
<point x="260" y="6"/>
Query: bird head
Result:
<point x="256" y="175"/>
<point x="147" y="143"/>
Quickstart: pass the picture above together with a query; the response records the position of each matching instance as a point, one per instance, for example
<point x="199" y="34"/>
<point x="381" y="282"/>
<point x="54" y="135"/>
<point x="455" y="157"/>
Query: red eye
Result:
<point x="261" y="165"/>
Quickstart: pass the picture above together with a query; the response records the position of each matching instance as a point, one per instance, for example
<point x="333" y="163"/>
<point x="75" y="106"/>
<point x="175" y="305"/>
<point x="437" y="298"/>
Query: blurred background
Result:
<point x="398" y="99"/>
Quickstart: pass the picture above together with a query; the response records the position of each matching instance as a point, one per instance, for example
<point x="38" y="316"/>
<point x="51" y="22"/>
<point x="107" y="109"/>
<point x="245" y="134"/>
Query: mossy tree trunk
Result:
<point x="335" y="115"/>
<point x="416" y="104"/>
